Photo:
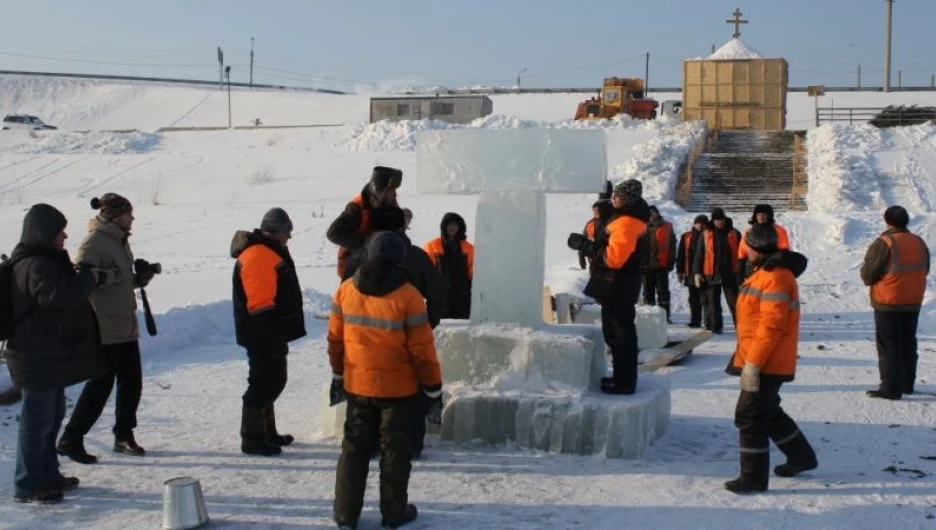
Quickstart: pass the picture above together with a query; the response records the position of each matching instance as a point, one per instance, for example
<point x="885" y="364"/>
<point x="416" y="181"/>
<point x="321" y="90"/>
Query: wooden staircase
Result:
<point x="736" y="170"/>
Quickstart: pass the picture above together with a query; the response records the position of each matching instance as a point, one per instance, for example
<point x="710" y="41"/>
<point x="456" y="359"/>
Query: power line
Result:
<point x="89" y="61"/>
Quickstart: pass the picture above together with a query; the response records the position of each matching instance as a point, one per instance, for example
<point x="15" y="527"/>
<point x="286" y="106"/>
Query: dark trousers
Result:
<point x="266" y="378"/>
<point x="124" y="366"/>
<point x="620" y="334"/>
<point x="656" y="289"/>
<point x="369" y="421"/>
<point x="713" y="308"/>
<point x="420" y="408"/>
<point x="897" y="350"/>
<point x="760" y="419"/>
<point x="695" y="306"/>
<point x="40" y="420"/>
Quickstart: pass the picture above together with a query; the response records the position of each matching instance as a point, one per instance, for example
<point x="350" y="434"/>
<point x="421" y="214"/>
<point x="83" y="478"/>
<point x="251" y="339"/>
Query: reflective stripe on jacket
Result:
<point x="768" y="311"/>
<point x="382" y="345"/>
<point x="903" y="284"/>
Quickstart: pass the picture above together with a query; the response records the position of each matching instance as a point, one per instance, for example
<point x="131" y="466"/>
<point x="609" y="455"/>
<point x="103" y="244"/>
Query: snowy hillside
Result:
<point x="192" y="190"/>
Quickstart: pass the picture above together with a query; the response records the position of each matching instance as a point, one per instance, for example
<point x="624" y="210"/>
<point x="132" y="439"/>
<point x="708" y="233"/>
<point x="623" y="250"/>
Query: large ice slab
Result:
<point x="472" y="161"/>
<point x="650" y="321"/>
<point x="615" y="426"/>
<point x="551" y="358"/>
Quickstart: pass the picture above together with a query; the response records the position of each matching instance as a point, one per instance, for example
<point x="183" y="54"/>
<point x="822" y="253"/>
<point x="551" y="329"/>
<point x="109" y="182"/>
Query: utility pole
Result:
<point x="859" y="76"/>
<point x="713" y="49"/>
<point x="518" y="77"/>
<point x="251" y="61"/>
<point x="647" y="76"/>
<point x="227" y="72"/>
<point x="899" y="80"/>
<point x="887" y="45"/>
<point x="933" y="81"/>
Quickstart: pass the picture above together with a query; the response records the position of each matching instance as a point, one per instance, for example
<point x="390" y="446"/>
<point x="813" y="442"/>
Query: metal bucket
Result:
<point x="183" y="504"/>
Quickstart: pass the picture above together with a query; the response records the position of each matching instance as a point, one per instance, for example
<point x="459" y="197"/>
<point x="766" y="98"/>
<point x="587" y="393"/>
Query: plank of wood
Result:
<point x="675" y="353"/>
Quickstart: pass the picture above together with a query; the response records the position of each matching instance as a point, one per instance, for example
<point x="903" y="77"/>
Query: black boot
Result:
<point x="739" y="485"/>
<point x="273" y="437"/>
<point x="608" y="386"/>
<point x="127" y="444"/>
<point x="253" y="433"/>
<point x="881" y="395"/>
<point x="755" y="473"/>
<point x="800" y="456"/>
<point x="409" y="515"/>
<point x="73" y="447"/>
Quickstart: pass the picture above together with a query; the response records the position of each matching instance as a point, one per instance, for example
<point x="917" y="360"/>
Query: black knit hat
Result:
<point x="701" y="218"/>
<point x="717" y="213"/>
<point x="111" y="205"/>
<point x="897" y="217"/>
<point x="629" y="190"/>
<point x="276" y="221"/>
<point x="387" y="247"/>
<point x="386" y="177"/>
<point x="763" y="208"/>
<point x="762" y="238"/>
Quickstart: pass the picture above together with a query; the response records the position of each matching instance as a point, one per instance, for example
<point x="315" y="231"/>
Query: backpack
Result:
<point x="8" y="323"/>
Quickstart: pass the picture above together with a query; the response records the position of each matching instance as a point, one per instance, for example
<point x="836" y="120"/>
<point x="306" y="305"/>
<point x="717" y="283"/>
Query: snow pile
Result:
<point x="401" y="135"/>
<point x="657" y="162"/>
<point x="58" y="143"/>
<point x="735" y="49"/>
<point x="842" y="175"/>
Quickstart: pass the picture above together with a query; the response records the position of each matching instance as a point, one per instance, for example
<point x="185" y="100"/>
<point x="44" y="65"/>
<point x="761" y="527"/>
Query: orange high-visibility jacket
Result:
<point x="364" y="228"/>
<point x="624" y="235"/>
<point x="436" y="249"/>
<point x="904" y="282"/>
<point x="382" y="345"/>
<point x="590" y="229"/>
<point x="783" y="241"/>
<point x="768" y="311"/>
<point x="709" y="265"/>
<point x="664" y="244"/>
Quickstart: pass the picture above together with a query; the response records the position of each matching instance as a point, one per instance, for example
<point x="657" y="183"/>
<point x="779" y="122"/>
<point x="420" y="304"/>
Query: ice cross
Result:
<point x="737" y="21"/>
<point x="511" y="170"/>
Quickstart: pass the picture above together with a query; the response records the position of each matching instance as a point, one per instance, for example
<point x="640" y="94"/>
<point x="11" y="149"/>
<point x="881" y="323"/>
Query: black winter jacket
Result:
<point x="419" y="271"/>
<point x="272" y="330"/>
<point x="619" y="286"/>
<point x="56" y="343"/>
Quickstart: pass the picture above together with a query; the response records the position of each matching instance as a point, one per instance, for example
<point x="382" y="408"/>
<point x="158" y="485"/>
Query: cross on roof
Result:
<point x="737" y="21"/>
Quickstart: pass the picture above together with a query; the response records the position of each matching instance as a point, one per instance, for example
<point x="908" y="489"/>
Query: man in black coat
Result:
<point x="54" y="345"/>
<point x="268" y="315"/>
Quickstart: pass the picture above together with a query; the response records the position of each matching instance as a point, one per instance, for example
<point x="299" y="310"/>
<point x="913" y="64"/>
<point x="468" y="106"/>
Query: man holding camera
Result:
<point x="106" y="250"/>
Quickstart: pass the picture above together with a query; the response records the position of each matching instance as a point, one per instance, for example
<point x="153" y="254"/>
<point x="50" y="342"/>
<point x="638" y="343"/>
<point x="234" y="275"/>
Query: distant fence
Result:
<point x="245" y="127"/>
<point x="894" y="116"/>
<point x="480" y="90"/>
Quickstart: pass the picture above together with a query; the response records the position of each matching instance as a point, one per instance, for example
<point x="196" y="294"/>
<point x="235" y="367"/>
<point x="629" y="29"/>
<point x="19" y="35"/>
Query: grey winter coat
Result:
<point x="105" y="248"/>
<point x="56" y="341"/>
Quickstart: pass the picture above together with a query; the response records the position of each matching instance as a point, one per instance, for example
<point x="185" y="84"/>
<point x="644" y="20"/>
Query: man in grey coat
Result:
<point x="54" y="345"/>
<point x="106" y="249"/>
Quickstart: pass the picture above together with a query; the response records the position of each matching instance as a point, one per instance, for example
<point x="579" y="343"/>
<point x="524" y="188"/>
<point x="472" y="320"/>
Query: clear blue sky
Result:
<point x="343" y="43"/>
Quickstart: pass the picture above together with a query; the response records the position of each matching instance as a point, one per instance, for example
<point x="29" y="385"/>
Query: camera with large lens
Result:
<point x="143" y="271"/>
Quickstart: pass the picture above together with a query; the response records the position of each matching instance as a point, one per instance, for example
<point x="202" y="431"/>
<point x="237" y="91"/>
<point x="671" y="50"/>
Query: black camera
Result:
<point x="144" y="268"/>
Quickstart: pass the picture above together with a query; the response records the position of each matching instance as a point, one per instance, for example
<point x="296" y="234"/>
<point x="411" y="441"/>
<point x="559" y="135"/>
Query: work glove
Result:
<point x="434" y="411"/>
<point x="577" y="241"/>
<point x="143" y="273"/>
<point x="750" y="378"/>
<point x="336" y="394"/>
<point x="582" y="262"/>
<point x="699" y="280"/>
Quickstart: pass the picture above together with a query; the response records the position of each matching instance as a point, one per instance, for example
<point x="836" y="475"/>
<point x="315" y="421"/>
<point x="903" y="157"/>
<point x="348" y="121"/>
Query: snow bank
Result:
<point x="735" y="49"/>
<point x="57" y="143"/>
<point x="401" y="135"/>
<point x="841" y="168"/>
<point x="656" y="163"/>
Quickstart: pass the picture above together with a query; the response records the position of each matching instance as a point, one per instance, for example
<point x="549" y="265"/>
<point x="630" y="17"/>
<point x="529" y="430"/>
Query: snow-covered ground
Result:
<point x="192" y="190"/>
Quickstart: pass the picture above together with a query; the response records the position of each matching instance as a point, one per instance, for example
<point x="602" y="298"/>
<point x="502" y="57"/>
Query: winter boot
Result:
<point x="608" y="386"/>
<point x="253" y="433"/>
<point x="273" y="437"/>
<point x="73" y="447"/>
<point x="126" y="444"/>
<point x="40" y="497"/>
<point x="755" y="473"/>
<point x="63" y="483"/>
<point x="409" y="515"/>
<point x="800" y="456"/>
<point x="343" y="525"/>
<point x="881" y="395"/>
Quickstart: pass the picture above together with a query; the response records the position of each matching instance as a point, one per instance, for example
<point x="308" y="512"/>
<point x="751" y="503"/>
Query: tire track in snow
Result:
<point x="97" y="185"/>
<point x="192" y="110"/>
<point x="48" y="174"/>
<point x="14" y="184"/>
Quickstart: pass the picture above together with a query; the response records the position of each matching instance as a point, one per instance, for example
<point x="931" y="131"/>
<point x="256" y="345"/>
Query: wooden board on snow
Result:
<point x="666" y="356"/>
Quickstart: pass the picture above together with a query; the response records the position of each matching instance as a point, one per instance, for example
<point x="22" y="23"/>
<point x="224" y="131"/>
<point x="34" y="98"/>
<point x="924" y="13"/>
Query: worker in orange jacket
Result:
<point x="895" y="267"/>
<point x="688" y="246"/>
<point x="715" y="269"/>
<point x="453" y="255"/>
<point x="382" y="354"/>
<point x="765" y="358"/>
<point x="617" y="255"/>
<point x="763" y="215"/>
<point x="268" y="315"/>
<point x="352" y="227"/>
<point x="601" y="210"/>
<point x="660" y="260"/>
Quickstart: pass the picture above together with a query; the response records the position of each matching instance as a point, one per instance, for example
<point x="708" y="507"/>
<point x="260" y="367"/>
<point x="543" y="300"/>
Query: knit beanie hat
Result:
<point x="897" y="217"/>
<point x="763" y="208"/>
<point x="629" y="190"/>
<point x="111" y="205"/>
<point x="276" y="221"/>
<point x="717" y="213"/>
<point x="387" y="247"/>
<point x="762" y="238"/>
<point x="701" y="218"/>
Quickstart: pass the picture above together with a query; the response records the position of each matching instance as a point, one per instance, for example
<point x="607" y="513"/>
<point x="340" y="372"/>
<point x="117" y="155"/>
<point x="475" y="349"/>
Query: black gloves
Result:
<point x="582" y="262"/>
<point x="581" y="243"/>
<point x="336" y="394"/>
<point x="142" y="272"/>
<point x="434" y="412"/>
